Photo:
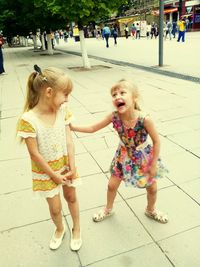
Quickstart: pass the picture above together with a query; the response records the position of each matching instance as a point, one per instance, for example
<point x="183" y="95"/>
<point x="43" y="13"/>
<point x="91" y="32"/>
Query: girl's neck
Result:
<point x="43" y="108"/>
<point x="131" y="115"/>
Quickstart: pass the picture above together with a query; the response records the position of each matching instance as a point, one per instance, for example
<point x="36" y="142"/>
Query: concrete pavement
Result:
<point x="128" y="238"/>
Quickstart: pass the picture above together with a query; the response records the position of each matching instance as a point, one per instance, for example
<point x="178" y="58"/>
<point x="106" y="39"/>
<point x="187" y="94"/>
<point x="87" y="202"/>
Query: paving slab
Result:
<point x="147" y="255"/>
<point x="173" y="202"/>
<point x="31" y="248"/>
<point x="109" y="238"/>
<point x="18" y="209"/>
<point x="183" y="249"/>
<point x="15" y="178"/>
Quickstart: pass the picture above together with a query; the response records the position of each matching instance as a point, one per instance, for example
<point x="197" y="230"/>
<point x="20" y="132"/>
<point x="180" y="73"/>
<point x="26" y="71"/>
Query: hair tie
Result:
<point x="39" y="71"/>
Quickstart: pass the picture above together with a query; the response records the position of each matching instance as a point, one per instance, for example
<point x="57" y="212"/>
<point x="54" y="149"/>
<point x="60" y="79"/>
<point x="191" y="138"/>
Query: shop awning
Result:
<point x="171" y="10"/>
<point x="125" y="20"/>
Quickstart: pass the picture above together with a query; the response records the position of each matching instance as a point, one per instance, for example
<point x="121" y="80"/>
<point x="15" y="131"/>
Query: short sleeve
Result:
<point x="25" y="129"/>
<point x="68" y="116"/>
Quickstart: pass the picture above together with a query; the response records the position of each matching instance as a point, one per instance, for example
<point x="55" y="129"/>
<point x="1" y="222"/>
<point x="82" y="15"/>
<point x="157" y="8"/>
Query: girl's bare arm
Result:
<point x="71" y="153"/>
<point x="94" y="127"/>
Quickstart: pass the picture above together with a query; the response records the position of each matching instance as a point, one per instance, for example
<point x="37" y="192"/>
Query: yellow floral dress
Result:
<point x="52" y="146"/>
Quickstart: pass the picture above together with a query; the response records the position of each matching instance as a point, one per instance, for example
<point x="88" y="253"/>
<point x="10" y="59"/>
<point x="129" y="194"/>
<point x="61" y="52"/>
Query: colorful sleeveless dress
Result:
<point x="134" y="155"/>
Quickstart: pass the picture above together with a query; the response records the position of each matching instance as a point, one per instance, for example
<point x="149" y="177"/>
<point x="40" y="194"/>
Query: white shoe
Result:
<point x="56" y="242"/>
<point x="75" y="244"/>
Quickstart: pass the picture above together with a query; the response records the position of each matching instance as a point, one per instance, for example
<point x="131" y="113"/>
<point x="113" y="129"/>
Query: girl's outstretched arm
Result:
<point x="94" y="127"/>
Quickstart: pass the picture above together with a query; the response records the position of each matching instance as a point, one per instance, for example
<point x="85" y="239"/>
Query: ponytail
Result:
<point x="32" y="96"/>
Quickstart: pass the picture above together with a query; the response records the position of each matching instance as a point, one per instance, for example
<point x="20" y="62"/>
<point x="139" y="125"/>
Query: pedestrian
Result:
<point x="181" y="32"/>
<point x="2" y="70"/>
<point x="126" y="31"/>
<point x="114" y="33"/>
<point x="138" y="27"/>
<point x="136" y="161"/>
<point x="44" y="126"/>
<point x="174" y="28"/>
<point x="133" y="31"/>
<point x="106" y="34"/>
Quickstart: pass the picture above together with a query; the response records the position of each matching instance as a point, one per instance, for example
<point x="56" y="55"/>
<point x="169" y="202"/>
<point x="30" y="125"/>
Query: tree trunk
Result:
<point x="86" y="62"/>
<point x="42" y="41"/>
<point x="49" y="44"/>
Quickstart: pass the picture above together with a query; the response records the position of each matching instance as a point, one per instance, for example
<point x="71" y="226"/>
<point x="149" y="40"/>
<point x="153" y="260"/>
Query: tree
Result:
<point x="82" y="12"/>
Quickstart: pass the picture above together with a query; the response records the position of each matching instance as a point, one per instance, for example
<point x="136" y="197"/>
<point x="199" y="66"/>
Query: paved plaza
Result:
<point x="128" y="238"/>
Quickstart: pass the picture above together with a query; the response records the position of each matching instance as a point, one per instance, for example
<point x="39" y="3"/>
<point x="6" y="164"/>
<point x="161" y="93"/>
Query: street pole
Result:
<point x="161" y="18"/>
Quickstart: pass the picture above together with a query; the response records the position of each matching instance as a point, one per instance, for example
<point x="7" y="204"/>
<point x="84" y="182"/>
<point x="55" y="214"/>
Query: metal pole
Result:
<point x="161" y="18"/>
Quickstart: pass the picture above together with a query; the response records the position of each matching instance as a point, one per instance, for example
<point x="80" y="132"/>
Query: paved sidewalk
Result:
<point x="129" y="238"/>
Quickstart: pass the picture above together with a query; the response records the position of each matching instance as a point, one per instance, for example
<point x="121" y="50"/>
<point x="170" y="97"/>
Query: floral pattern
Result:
<point x="134" y="155"/>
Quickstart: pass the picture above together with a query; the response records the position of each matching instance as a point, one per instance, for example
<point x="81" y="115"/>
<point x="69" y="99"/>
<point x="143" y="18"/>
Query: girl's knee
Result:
<point x="55" y="211"/>
<point x="152" y="189"/>
<point x="70" y="197"/>
<point x="113" y="185"/>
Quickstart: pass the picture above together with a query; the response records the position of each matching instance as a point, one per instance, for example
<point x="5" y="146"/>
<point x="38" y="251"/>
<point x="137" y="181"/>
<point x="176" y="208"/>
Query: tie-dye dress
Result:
<point x="134" y="155"/>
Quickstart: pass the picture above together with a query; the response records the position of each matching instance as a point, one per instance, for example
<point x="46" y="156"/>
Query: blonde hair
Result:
<point x="50" y="77"/>
<point x="129" y="86"/>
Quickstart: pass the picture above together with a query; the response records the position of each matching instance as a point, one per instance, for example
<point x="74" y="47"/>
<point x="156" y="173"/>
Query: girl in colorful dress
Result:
<point x="44" y="126"/>
<point x="136" y="161"/>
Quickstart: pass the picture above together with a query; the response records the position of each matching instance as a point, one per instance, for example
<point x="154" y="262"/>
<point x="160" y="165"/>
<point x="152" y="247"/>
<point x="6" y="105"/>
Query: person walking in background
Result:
<point x="2" y="70"/>
<point x="133" y="31"/>
<point x="136" y="161"/>
<point x="181" y="31"/>
<point x="138" y="27"/>
<point x="174" y="28"/>
<point x="148" y="29"/>
<point x="126" y="31"/>
<point x="106" y="34"/>
<point x="114" y="33"/>
<point x="44" y="126"/>
<point x="168" y="30"/>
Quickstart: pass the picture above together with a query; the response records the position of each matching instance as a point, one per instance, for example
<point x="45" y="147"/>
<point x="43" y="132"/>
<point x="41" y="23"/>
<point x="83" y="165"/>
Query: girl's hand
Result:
<point x="60" y="178"/>
<point x="152" y="170"/>
<point x="70" y="175"/>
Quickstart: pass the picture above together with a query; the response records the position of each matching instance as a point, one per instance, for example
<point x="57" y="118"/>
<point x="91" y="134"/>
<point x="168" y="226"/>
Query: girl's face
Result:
<point x="60" y="98"/>
<point x="123" y="99"/>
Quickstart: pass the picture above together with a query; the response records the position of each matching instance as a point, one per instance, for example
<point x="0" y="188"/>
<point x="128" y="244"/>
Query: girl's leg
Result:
<point x="55" y="211"/>
<point x="70" y="197"/>
<point x="113" y="185"/>
<point x="151" y="196"/>
<point x="111" y="194"/>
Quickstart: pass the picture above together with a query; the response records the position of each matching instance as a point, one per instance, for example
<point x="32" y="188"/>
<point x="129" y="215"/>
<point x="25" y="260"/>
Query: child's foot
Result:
<point x="56" y="239"/>
<point x="76" y="240"/>
<point x="157" y="216"/>
<point x="102" y="215"/>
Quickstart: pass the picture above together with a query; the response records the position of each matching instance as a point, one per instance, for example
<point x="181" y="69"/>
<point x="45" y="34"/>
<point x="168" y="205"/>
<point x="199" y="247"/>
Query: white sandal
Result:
<point x="102" y="215"/>
<point x="157" y="216"/>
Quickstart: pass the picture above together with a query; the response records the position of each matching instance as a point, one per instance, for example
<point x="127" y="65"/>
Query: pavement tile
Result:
<point x="104" y="158"/>
<point x="17" y="177"/>
<point x="109" y="238"/>
<point x="174" y="202"/>
<point x="31" y="248"/>
<point x="182" y="167"/>
<point x="147" y="255"/>
<point x="83" y="160"/>
<point x="183" y="249"/>
<point x="192" y="188"/>
<point x="18" y="209"/>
